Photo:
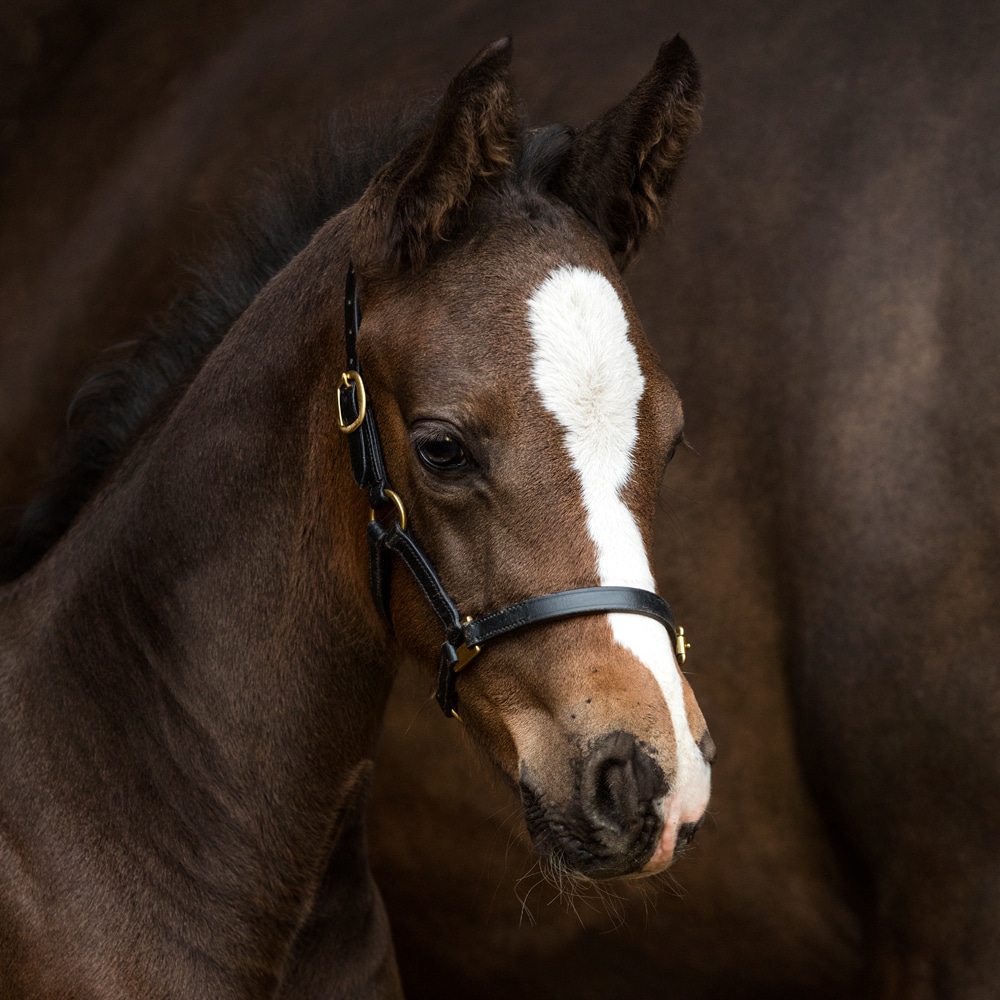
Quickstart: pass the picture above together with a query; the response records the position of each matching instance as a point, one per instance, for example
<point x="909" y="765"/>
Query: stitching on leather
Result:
<point x="629" y="601"/>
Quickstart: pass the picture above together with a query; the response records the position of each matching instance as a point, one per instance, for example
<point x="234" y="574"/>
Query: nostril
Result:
<point x="686" y="833"/>
<point x="613" y="823"/>
<point x="620" y="783"/>
<point x="707" y="747"/>
<point x="616" y="795"/>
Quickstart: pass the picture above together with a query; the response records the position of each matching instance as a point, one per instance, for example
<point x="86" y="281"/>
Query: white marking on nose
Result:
<point x="588" y="376"/>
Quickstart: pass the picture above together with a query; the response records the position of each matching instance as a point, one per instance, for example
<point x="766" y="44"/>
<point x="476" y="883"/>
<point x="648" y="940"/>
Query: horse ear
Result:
<point x="423" y="194"/>
<point x="620" y="168"/>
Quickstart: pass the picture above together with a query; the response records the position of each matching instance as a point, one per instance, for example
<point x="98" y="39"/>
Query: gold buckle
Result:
<point x="346" y="380"/>
<point x="400" y="509"/>
<point x="464" y="654"/>
<point x="681" y="646"/>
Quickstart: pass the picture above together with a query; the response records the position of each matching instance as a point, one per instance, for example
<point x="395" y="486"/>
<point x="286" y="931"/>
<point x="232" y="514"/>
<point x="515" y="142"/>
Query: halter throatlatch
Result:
<point x="464" y="638"/>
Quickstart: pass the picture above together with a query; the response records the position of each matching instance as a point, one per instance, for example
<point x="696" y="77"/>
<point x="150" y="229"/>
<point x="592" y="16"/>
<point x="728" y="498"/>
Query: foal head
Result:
<point x="526" y="425"/>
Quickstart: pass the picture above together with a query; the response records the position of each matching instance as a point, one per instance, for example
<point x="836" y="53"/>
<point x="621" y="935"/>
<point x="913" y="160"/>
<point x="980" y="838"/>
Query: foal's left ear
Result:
<point x="422" y="196"/>
<point x="619" y="171"/>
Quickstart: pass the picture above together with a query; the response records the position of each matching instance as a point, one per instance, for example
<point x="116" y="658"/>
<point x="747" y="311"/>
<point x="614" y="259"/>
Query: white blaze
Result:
<point x="588" y="376"/>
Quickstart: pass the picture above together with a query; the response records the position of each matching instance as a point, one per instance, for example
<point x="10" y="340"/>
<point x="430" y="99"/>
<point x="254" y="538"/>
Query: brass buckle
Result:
<point x="681" y="646"/>
<point x="346" y="380"/>
<point x="400" y="510"/>
<point x="465" y="654"/>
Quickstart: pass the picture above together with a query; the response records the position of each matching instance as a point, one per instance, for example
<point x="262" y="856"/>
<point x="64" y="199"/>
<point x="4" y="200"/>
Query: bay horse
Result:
<point x="200" y="632"/>
<point x="825" y="299"/>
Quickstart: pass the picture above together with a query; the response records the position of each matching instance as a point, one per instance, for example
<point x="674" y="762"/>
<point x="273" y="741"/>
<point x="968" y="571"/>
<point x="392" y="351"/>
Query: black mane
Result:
<point x="113" y="406"/>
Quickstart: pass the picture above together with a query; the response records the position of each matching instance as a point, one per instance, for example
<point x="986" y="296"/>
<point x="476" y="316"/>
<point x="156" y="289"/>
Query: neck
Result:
<point x="213" y="633"/>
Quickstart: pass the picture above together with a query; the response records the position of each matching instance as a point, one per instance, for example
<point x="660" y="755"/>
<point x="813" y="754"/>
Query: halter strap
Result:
<point x="567" y="604"/>
<point x="356" y="419"/>
<point x="463" y="638"/>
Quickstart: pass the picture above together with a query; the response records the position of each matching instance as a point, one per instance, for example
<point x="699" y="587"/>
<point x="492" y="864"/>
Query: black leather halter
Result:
<point x="463" y="638"/>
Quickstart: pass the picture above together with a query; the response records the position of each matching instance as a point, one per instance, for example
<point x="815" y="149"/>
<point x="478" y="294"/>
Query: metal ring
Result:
<point x="401" y="510"/>
<point x="346" y="380"/>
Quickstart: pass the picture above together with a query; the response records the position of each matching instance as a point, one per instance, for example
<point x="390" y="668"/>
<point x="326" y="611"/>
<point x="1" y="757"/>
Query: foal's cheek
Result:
<point x="500" y="710"/>
<point x="416" y="629"/>
<point x="491" y="730"/>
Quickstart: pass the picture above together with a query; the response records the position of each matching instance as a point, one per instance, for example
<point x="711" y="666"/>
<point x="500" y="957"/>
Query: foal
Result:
<point x="193" y="675"/>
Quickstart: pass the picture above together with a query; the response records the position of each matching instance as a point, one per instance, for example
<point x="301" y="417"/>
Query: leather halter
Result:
<point x="464" y="638"/>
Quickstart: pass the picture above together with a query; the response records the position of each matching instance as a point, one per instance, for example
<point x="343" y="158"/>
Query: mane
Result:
<point x="118" y="400"/>
<point x="121" y="398"/>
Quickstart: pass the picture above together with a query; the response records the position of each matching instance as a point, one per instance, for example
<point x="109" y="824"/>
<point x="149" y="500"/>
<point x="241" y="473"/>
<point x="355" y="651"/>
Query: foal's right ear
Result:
<point x="421" y="197"/>
<point x="619" y="170"/>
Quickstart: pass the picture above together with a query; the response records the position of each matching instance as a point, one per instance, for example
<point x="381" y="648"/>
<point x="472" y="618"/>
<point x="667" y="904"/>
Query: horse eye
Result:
<point x="443" y="454"/>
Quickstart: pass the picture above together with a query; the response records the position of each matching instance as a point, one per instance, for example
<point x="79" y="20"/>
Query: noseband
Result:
<point x="464" y="638"/>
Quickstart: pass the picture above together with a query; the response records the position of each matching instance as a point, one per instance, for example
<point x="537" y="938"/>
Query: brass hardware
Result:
<point x="681" y="646"/>
<point x="400" y="509"/>
<point x="464" y="654"/>
<point x="455" y="715"/>
<point x="465" y="657"/>
<point x="346" y="380"/>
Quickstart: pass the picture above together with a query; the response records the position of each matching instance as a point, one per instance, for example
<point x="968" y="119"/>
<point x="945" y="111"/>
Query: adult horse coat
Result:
<point x="826" y="302"/>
